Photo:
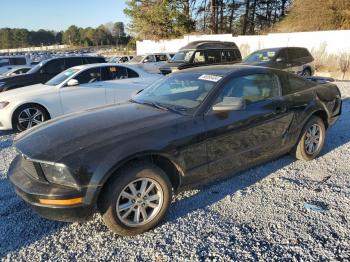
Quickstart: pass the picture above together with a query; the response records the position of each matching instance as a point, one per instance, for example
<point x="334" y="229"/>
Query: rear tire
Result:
<point x="311" y="141"/>
<point x="127" y="208"/>
<point x="29" y="115"/>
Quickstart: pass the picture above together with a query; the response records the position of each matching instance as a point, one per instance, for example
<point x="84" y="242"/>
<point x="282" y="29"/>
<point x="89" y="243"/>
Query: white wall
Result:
<point x="335" y="41"/>
<point x="38" y="48"/>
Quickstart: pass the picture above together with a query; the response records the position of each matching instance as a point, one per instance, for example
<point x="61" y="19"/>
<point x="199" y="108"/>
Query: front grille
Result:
<point x="30" y="167"/>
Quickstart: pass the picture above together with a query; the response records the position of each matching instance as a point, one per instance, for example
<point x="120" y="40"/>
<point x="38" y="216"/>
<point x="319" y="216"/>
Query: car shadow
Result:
<point x="20" y="226"/>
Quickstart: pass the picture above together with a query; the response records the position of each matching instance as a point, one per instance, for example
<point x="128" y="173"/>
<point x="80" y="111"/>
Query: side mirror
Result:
<point x="146" y="61"/>
<point x="73" y="82"/>
<point x="230" y="104"/>
<point x="279" y="60"/>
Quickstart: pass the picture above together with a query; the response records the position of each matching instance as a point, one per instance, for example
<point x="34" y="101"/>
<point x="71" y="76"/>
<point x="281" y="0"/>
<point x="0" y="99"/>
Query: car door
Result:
<point x="125" y="82"/>
<point x="295" y="63"/>
<point x="90" y="93"/>
<point x="237" y="139"/>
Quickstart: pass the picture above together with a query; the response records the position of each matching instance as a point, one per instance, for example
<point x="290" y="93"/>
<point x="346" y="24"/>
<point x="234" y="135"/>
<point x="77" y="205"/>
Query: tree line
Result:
<point x="108" y="34"/>
<point x="172" y="18"/>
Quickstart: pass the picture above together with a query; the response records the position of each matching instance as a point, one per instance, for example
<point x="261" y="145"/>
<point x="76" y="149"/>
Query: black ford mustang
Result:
<point x="193" y="126"/>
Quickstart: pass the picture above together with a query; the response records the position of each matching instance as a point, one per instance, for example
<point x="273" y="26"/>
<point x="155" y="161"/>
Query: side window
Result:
<point x="132" y="73"/>
<point x="150" y="59"/>
<point x="252" y="88"/>
<point x="199" y="57"/>
<point x="89" y="76"/>
<point x="283" y="55"/>
<point x="293" y="84"/>
<point x="74" y="61"/>
<point x="160" y="58"/>
<point x="213" y="56"/>
<point x="117" y="72"/>
<point x="54" y="67"/>
<point x="293" y="54"/>
<point x="4" y="62"/>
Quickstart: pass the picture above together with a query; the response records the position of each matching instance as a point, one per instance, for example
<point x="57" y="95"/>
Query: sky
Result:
<point x="60" y="14"/>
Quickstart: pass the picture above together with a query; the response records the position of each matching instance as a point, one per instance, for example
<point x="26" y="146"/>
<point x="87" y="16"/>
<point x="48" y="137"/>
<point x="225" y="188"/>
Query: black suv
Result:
<point x="201" y="53"/>
<point x="297" y="60"/>
<point x="46" y="70"/>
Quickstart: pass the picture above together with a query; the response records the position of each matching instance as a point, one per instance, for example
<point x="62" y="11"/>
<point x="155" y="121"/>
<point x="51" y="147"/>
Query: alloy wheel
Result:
<point x="313" y="139"/>
<point x="139" y="202"/>
<point x="30" y="117"/>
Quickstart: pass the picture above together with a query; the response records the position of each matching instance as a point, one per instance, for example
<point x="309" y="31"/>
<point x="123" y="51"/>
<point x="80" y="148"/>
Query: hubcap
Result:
<point x="313" y="139"/>
<point x="139" y="202"/>
<point x="30" y="117"/>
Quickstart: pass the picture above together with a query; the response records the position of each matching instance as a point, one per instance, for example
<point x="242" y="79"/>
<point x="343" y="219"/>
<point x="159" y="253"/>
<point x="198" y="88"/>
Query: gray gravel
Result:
<point x="257" y="215"/>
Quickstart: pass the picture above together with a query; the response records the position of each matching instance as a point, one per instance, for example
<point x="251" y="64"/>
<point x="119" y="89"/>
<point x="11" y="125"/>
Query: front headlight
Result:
<point x="4" y="104"/>
<point x="58" y="174"/>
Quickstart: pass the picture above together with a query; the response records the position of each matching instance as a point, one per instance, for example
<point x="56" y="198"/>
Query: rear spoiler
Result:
<point x="320" y="79"/>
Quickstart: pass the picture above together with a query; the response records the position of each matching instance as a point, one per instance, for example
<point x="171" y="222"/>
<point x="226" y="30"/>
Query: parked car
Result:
<point x="120" y="59"/>
<point x="11" y="62"/>
<point x="151" y="62"/>
<point x="16" y="71"/>
<point x="77" y="88"/>
<point x="202" y="53"/>
<point x="45" y="70"/>
<point x="295" y="60"/>
<point x="194" y="126"/>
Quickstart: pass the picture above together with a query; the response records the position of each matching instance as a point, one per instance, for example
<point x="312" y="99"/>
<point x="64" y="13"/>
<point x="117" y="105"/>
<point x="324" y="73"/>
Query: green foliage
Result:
<point x="157" y="19"/>
<point x="109" y="34"/>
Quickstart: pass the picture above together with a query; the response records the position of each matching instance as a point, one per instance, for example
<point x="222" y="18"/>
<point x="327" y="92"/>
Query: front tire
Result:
<point x="311" y="141"/>
<point x="136" y="200"/>
<point x="29" y="115"/>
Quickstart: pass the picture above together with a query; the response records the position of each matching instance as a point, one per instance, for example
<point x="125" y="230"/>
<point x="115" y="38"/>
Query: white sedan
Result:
<point x="76" y="89"/>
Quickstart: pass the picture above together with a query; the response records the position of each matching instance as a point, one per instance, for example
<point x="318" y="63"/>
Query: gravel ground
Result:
<point x="261" y="214"/>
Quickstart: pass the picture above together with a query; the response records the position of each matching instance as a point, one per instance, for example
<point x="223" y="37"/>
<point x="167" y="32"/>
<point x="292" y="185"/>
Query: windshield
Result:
<point x="137" y="59"/>
<point x="60" y="78"/>
<point x="260" y="56"/>
<point x="182" y="92"/>
<point x="182" y="56"/>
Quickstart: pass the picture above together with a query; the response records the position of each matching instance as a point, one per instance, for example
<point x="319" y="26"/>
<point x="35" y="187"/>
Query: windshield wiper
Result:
<point x="159" y="106"/>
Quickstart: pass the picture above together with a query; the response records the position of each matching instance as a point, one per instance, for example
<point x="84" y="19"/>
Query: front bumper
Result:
<point x="32" y="190"/>
<point x="5" y="120"/>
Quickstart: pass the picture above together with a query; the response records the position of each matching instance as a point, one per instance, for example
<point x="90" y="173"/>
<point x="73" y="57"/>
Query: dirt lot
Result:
<point x="282" y="210"/>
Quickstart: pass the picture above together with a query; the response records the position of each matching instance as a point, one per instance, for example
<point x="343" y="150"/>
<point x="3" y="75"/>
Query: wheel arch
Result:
<point x="161" y="160"/>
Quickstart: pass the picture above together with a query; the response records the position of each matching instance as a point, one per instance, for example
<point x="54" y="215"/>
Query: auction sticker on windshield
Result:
<point x="212" y="78"/>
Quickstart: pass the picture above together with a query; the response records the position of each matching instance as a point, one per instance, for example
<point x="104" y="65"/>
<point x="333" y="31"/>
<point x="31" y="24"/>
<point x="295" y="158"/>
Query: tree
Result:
<point x="157" y="19"/>
<point x="71" y="36"/>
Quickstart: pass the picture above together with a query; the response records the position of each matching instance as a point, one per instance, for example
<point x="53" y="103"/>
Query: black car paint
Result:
<point x="202" y="146"/>
<point x="169" y="66"/>
<point x="40" y="76"/>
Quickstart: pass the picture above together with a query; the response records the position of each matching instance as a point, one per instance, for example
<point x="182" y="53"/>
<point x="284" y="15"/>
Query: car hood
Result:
<point x="61" y="137"/>
<point x="33" y="90"/>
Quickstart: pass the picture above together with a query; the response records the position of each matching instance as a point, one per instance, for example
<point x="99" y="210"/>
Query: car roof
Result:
<point x="209" y="45"/>
<point x="275" y="49"/>
<point x="224" y="70"/>
<point x="12" y="56"/>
